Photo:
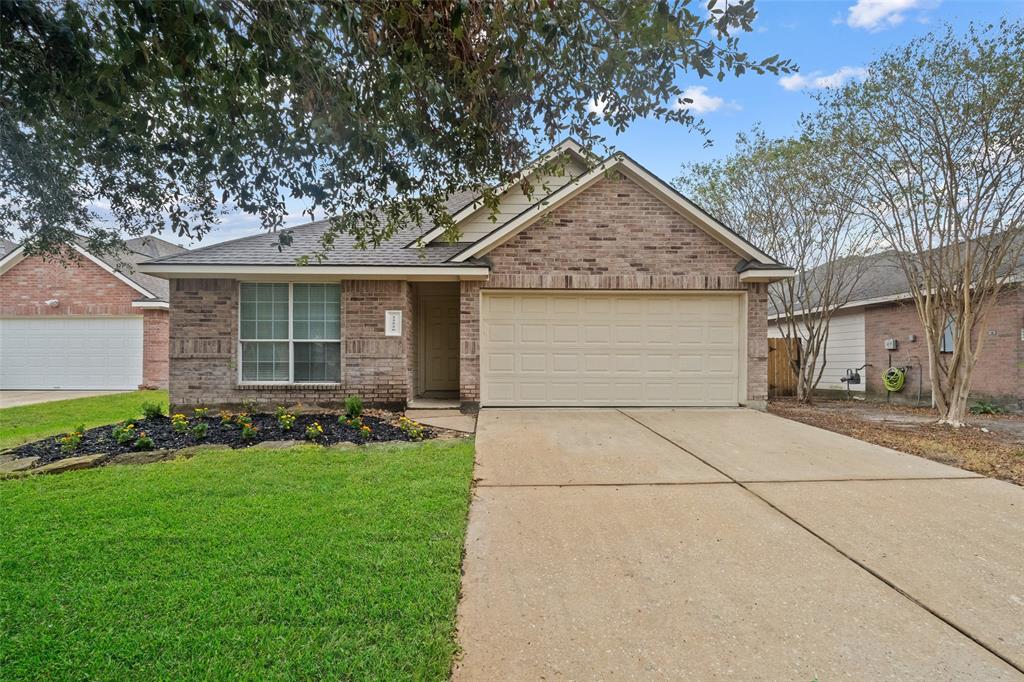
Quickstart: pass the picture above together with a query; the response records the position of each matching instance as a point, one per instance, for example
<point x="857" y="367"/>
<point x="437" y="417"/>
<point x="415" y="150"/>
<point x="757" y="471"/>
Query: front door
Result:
<point x="439" y="334"/>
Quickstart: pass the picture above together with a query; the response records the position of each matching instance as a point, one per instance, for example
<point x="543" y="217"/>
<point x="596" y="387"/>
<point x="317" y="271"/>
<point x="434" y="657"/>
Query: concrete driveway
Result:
<point x="731" y="544"/>
<point x="15" y="398"/>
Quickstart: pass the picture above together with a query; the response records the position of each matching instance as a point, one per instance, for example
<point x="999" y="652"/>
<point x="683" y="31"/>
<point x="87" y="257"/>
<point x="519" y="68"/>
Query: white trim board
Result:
<point x="313" y="272"/>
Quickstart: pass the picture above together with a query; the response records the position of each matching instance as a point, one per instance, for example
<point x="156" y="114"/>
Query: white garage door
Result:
<point x="610" y="349"/>
<point x="72" y="353"/>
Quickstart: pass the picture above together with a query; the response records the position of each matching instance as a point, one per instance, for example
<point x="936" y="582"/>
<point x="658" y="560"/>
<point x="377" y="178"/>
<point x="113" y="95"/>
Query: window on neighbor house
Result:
<point x="290" y="332"/>
<point x="946" y="343"/>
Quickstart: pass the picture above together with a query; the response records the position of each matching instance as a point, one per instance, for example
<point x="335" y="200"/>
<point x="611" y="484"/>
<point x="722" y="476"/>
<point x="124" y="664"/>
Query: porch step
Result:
<point x="444" y="419"/>
<point x="420" y="403"/>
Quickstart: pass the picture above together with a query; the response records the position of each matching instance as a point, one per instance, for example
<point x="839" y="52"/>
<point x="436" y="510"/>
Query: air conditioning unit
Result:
<point x="892" y="344"/>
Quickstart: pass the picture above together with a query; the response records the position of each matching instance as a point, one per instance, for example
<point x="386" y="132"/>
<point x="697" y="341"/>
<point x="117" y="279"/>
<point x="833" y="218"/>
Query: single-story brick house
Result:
<point x="881" y="309"/>
<point x="94" y="323"/>
<point x="604" y="287"/>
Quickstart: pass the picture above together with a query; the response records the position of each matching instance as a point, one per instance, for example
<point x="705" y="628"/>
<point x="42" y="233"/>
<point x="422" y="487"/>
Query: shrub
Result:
<point x="124" y="433"/>
<point x="411" y="428"/>
<point x="143" y="442"/>
<point x="152" y="410"/>
<point x="225" y="418"/>
<point x="351" y="422"/>
<point x="314" y="431"/>
<point x="248" y="431"/>
<point x="69" y="442"/>
<point x="353" y="406"/>
<point x="201" y="412"/>
<point x="249" y="406"/>
<point x="286" y="421"/>
<point x="198" y="430"/>
<point x="179" y="423"/>
<point x="243" y="418"/>
<point x="986" y="407"/>
<point x="365" y="432"/>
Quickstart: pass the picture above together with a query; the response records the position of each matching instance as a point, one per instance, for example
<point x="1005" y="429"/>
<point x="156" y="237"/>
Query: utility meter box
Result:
<point x="892" y="344"/>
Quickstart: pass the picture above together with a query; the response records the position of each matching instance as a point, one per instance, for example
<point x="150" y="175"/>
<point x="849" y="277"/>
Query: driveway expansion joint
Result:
<point x="878" y="576"/>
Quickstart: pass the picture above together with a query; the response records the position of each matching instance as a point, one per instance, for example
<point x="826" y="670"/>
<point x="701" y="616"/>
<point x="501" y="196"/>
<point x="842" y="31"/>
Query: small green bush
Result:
<point x="69" y="442"/>
<point x="143" y="442"/>
<point x="201" y="412"/>
<point x="198" y="429"/>
<point x="353" y="406"/>
<point x="124" y="433"/>
<point x="986" y="407"/>
<point x="152" y="410"/>
<point x="248" y="431"/>
<point x="179" y="423"/>
<point x="314" y="432"/>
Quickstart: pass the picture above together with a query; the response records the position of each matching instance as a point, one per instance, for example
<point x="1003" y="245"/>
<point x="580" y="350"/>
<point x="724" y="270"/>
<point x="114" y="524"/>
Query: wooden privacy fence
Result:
<point x="781" y="377"/>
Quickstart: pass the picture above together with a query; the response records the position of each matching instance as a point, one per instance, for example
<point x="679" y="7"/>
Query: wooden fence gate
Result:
<point x="781" y="377"/>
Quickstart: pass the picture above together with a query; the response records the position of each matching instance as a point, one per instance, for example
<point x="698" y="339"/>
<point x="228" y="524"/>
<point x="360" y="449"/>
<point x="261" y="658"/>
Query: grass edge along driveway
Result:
<point x="25" y="423"/>
<point x="291" y="564"/>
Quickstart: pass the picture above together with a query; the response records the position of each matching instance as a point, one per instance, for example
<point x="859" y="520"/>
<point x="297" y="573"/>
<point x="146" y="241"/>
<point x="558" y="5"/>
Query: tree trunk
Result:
<point x="953" y="407"/>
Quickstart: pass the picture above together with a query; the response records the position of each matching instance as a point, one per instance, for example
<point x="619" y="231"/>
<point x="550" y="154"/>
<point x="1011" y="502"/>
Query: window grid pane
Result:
<point x="264" y="311"/>
<point x="317" y="362"/>
<point x="316" y="313"/>
<point x="264" y="361"/>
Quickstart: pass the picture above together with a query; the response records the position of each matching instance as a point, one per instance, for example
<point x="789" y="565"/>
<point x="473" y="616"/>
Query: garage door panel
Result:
<point x="72" y="353"/>
<point x="610" y="349"/>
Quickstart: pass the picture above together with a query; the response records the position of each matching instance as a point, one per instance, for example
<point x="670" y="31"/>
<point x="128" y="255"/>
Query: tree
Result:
<point x="171" y="112"/>
<point x="935" y="133"/>
<point x="787" y="198"/>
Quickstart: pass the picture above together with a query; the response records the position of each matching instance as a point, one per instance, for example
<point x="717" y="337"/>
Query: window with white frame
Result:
<point x="946" y="343"/>
<point x="290" y="332"/>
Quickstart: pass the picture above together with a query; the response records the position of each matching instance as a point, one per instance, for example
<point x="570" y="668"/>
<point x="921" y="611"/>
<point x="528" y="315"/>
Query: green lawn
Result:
<point x="291" y="564"/>
<point x="32" y="422"/>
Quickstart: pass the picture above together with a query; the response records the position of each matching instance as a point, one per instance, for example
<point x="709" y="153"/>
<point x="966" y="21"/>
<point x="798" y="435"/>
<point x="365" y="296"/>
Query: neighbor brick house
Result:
<point x="606" y="287"/>
<point x="881" y="308"/>
<point x="92" y="323"/>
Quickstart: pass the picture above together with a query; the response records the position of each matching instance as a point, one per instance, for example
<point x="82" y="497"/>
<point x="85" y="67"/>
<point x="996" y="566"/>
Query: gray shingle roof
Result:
<point x="6" y="246"/>
<point x="262" y="249"/>
<point x="139" y="250"/>
<point x="883" y="276"/>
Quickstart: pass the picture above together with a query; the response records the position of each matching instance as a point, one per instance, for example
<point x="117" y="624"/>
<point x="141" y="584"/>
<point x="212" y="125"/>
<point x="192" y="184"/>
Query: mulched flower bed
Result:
<point x="101" y="440"/>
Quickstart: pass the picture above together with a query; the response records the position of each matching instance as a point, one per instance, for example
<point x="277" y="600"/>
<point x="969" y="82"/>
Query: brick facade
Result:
<point x="615" y="235"/>
<point x="84" y="289"/>
<point x="998" y="373"/>
<point x="204" y="348"/>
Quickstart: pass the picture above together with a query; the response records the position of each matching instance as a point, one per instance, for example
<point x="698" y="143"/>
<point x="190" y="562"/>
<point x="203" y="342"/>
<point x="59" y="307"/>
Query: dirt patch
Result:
<point x="991" y="445"/>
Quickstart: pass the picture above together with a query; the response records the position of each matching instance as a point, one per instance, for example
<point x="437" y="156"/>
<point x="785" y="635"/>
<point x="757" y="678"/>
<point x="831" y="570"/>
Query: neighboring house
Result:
<point x="607" y="287"/>
<point x="881" y="308"/>
<point x="92" y="324"/>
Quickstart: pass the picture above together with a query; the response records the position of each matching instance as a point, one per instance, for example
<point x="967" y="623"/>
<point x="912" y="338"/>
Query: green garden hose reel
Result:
<point x="894" y="379"/>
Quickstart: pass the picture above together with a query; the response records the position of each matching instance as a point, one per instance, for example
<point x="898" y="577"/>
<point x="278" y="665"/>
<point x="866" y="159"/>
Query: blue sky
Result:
<point x="829" y="40"/>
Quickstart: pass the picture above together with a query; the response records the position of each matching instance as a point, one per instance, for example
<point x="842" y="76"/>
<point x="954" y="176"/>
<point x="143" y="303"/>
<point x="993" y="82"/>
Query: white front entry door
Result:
<point x="71" y="353"/>
<point x="611" y="348"/>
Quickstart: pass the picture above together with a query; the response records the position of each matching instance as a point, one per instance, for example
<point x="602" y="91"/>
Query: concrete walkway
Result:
<point x="731" y="544"/>
<point x="15" y="398"/>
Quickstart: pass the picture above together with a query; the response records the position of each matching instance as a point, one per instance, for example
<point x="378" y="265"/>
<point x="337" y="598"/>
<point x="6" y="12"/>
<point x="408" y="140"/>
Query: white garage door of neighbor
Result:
<point x="614" y="349"/>
<point x="71" y="353"/>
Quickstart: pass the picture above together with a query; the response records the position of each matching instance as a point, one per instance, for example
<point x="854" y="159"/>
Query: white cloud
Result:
<point x="597" y="106"/>
<point x="875" y="15"/>
<point x="702" y="102"/>
<point x="816" y="80"/>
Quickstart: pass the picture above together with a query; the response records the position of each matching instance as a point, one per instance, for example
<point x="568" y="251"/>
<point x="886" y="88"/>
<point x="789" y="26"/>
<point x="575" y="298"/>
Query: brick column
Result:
<point x="469" y="345"/>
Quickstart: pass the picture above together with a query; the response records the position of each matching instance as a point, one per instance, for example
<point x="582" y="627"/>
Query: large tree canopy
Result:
<point x="169" y="112"/>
